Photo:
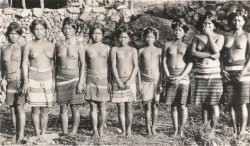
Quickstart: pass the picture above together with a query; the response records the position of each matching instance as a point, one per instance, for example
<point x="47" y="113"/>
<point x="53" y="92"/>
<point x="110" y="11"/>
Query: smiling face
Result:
<point x="39" y="31"/>
<point x="13" y="36"/>
<point x="179" y="32"/>
<point x="238" y="22"/>
<point x="150" y="38"/>
<point x="97" y="35"/>
<point x="124" y="39"/>
<point x="68" y="31"/>
<point x="208" y="24"/>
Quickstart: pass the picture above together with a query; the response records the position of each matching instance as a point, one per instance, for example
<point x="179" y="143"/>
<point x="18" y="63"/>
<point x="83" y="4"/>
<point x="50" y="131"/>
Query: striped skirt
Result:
<point x="40" y="85"/>
<point x="236" y="92"/>
<point x="120" y="96"/>
<point x="177" y="95"/>
<point x="208" y="85"/>
<point x="150" y="92"/>
<point x="97" y="86"/>
<point x="66" y="85"/>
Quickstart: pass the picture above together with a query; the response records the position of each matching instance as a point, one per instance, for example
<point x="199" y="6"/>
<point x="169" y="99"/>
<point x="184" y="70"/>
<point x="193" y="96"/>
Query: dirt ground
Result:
<point x="195" y="131"/>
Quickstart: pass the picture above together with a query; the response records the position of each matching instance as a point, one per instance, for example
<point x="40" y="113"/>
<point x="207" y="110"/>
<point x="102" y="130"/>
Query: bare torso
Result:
<point x="176" y="57"/>
<point x="235" y="47"/>
<point x="97" y="56"/>
<point x="150" y="61"/>
<point x="203" y="46"/>
<point x="68" y="56"/>
<point x="40" y="54"/>
<point x="11" y="57"/>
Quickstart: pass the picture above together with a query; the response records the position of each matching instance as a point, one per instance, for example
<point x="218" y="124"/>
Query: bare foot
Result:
<point x="181" y="133"/>
<point x="212" y="134"/>
<point x="101" y="133"/>
<point x="149" y="135"/>
<point x="14" y="139"/>
<point x="21" y="141"/>
<point x="123" y="134"/>
<point x="174" y="135"/>
<point x="129" y="136"/>
<point x="95" y="135"/>
<point x="154" y="131"/>
<point x="242" y="133"/>
<point x="235" y="134"/>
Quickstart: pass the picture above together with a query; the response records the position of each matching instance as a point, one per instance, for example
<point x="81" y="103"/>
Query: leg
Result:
<point x="102" y="117"/>
<point x="243" y="116"/>
<point x="233" y="117"/>
<point x="204" y="113"/>
<point x="76" y="118"/>
<point x="64" y="119"/>
<point x="154" y="118"/>
<point x="93" y="116"/>
<point x="129" y="118"/>
<point x="44" y="119"/>
<point x="14" y="121"/>
<point x="21" y="121"/>
<point x="174" y="114"/>
<point x="183" y="119"/>
<point x="147" y="108"/>
<point x="121" y="116"/>
<point x="35" y="111"/>
<point x="248" y="109"/>
<point x="215" y="117"/>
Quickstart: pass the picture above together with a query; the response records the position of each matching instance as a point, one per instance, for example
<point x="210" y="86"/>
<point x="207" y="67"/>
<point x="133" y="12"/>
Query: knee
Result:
<point x="173" y="107"/>
<point x="35" y="110"/>
<point x="44" y="110"/>
<point x="63" y="109"/>
<point x="74" y="108"/>
<point x="183" y="107"/>
<point x="155" y="106"/>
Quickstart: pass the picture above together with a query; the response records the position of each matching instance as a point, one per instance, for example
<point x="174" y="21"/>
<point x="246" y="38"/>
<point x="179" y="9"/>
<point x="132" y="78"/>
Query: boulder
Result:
<point x="24" y="13"/>
<point x="73" y="10"/>
<point x="9" y="11"/>
<point x="98" y="10"/>
<point x="37" y="12"/>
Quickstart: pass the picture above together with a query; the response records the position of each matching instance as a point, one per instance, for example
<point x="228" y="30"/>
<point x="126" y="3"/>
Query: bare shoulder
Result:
<point x="114" y="49"/>
<point x="141" y="50"/>
<point x="107" y="47"/>
<point x="168" y="43"/>
<point x="133" y="49"/>
<point x="4" y="47"/>
<point x="220" y="36"/>
<point x="58" y="44"/>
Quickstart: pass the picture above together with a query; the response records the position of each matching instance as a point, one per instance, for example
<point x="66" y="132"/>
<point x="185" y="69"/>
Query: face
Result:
<point x="97" y="35"/>
<point x="39" y="31"/>
<point x="124" y="38"/>
<point x="13" y="36"/>
<point x="208" y="24"/>
<point x="150" y="38"/>
<point x="68" y="31"/>
<point x="238" y="22"/>
<point x="179" y="32"/>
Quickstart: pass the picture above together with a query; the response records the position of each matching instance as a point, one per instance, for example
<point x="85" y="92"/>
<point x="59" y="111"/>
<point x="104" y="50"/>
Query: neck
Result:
<point x="178" y="40"/>
<point x="238" y="32"/>
<point x="39" y="40"/>
<point x="70" y="39"/>
<point x="97" y="43"/>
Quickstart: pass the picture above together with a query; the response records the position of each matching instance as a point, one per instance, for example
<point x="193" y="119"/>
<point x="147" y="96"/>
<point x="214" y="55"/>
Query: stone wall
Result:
<point x="138" y="14"/>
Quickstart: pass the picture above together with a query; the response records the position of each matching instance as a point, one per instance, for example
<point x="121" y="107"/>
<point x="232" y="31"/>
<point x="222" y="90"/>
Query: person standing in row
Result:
<point x="10" y="68"/>
<point x="236" y="61"/>
<point x="177" y="65"/>
<point x="124" y="60"/>
<point x="37" y="67"/>
<point x="98" y="78"/>
<point x="150" y="74"/>
<point x="70" y="75"/>
<point x="206" y="49"/>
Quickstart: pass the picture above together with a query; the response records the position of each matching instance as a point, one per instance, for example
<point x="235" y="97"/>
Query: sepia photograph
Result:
<point x="125" y="72"/>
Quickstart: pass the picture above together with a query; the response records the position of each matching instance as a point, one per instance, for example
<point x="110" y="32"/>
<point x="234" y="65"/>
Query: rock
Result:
<point x="221" y="15"/>
<point x="193" y="5"/>
<point x="218" y="8"/>
<point x="1" y="22"/>
<point x="201" y="11"/>
<point x="128" y="12"/>
<point x="196" y="17"/>
<point x="73" y="10"/>
<point x="24" y="13"/>
<point x="61" y="11"/>
<point x="231" y="9"/>
<point x="9" y="11"/>
<point x="101" y="17"/>
<point x="121" y="7"/>
<point x="46" y="10"/>
<point x="37" y="12"/>
<point x="87" y="9"/>
<point x="111" y="12"/>
<point x="85" y="16"/>
<point x="126" y="19"/>
<point x="191" y="13"/>
<point x="115" y="18"/>
<point x="210" y="7"/>
<point x="98" y="10"/>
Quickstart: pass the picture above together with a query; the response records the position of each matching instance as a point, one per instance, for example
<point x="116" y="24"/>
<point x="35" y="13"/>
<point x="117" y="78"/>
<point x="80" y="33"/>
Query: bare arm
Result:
<point x="1" y="64"/>
<point x="196" y="53"/>
<point x="81" y="53"/>
<point x="113" y="64"/>
<point x="135" y="64"/>
<point x="109" y="66"/>
<point x="25" y="64"/>
<point x="165" y="59"/>
<point x="189" y="64"/>
<point x="160" y="67"/>
<point x="247" y="65"/>
<point x="217" y="45"/>
<point x="139" y="67"/>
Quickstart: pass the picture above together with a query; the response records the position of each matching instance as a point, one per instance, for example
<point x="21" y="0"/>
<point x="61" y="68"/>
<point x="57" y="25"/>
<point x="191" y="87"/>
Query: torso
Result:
<point x="40" y="54"/>
<point x="124" y="61"/>
<point x="97" y="56"/>
<point x="11" y="57"/>
<point x="235" y="47"/>
<point x="176" y="57"/>
<point x="203" y="46"/>
<point x="150" y="61"/>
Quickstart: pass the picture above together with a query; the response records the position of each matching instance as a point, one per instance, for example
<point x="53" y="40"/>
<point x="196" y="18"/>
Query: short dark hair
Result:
<point x="123" y="29"/>
<point x="37" y="22"/>
<point x="95" y="26"/>
<point x="180" y="23"/>
<point x="237" y="12"/>
<point x="71" y="22"/>
<point x="211" y="15"/>
<point x="16" y="27"/>
<point x="150" y="30"/>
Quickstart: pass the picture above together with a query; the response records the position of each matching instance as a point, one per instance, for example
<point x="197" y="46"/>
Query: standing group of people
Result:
<point x="96" y="73"/>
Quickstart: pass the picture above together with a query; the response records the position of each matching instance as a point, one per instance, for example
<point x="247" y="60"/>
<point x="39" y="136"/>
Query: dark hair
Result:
<point x="180" y="23"/>
<point x="237" y="12"/>
<point x="71" y="22"/>
<point x="123" y="29"/>
<point x="150" y="30"/>
<point x="14" y="26"/>
<point x="211" y="15"/>
<point x="95" y="26"/>
<point x="37" y="22"/>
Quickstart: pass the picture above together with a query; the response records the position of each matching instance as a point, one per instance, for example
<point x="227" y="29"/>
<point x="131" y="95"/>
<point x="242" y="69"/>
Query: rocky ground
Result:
<point x="195" y="132"/>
